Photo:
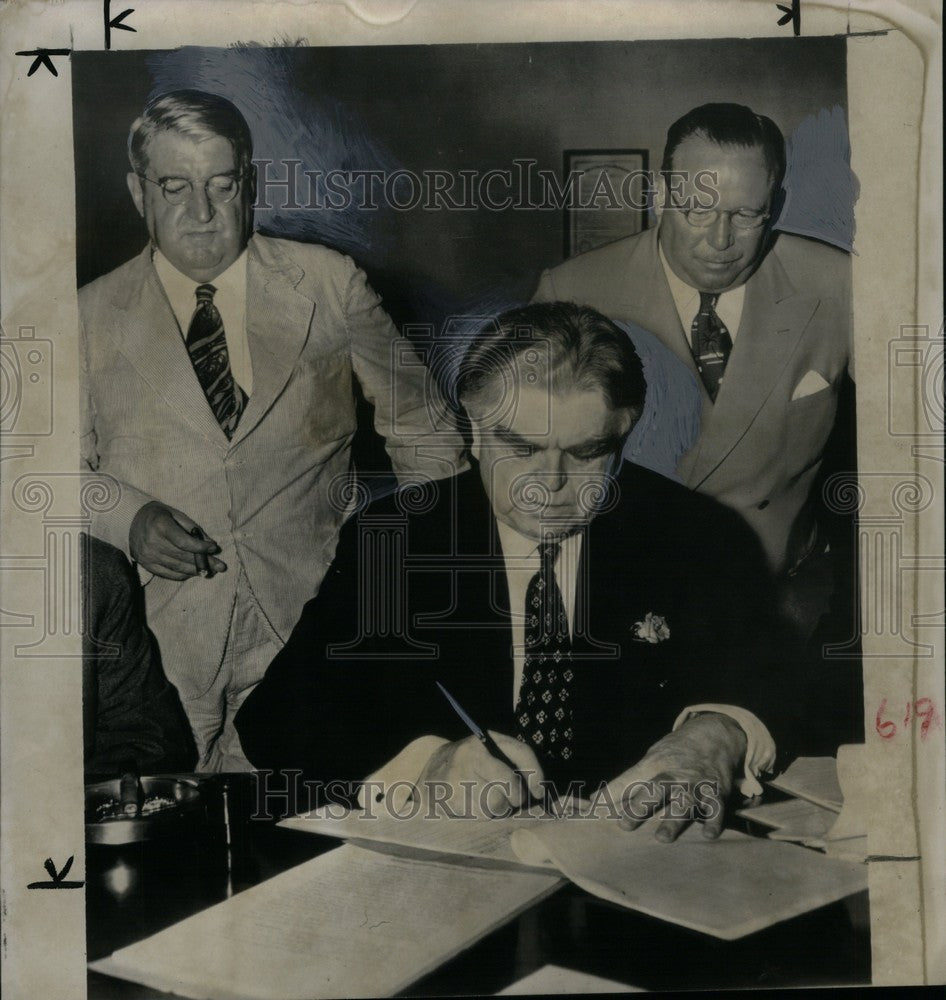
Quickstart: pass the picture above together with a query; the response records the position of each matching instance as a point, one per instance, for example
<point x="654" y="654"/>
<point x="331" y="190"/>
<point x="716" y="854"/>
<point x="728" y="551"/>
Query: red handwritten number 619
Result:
<point x="922" y="709"/>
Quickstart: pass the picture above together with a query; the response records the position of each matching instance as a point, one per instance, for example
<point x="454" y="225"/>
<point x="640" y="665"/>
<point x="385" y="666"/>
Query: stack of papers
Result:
<point x="727" y="888"/>
<point x="827" y="810"/>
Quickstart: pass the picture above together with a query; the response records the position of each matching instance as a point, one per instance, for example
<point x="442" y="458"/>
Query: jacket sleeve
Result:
<point x="112" y="504"/>
<point x="338" y="700"/>
<point x="411" y="413"/>
<point x="760" y="660"/>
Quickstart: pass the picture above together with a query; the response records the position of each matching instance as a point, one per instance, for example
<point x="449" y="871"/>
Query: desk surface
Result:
<point x="136" y="890"/>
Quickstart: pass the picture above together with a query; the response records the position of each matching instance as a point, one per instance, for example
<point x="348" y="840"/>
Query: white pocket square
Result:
<point x="812" y="382"/>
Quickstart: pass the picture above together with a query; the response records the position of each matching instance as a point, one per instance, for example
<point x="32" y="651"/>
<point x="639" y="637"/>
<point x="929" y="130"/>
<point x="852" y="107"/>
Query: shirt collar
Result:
<point x="518" y="548"/>
<point x="686" y="298"/>
<point x="232" y="280"/>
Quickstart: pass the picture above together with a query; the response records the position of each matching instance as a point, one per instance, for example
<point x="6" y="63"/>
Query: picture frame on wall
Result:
<point x="608" y="199"/>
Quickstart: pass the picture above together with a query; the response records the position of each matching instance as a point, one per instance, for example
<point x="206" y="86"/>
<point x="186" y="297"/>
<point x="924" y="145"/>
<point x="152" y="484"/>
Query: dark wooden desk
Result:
<point x="137" y="890"/>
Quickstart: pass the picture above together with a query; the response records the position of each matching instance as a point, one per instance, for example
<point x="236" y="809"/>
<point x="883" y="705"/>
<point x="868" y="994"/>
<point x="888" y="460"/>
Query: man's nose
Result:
<point x="553" y="471"/>
<point x="199" y="206"/>
<point x="720" y="232"/>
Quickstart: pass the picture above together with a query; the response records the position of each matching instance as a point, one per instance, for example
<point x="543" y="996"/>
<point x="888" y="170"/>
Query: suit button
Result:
<point x="763" y="505"/>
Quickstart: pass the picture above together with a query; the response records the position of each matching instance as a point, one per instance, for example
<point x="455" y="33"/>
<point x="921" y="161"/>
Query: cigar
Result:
<point x="200" y="558"/>
<point x="129" y="795"/>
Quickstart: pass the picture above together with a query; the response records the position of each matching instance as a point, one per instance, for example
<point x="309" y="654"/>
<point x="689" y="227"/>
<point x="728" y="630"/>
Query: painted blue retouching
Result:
<point x="286" y="122"/>
<point x="670" y="424"/>
<point x="820" y="187"/>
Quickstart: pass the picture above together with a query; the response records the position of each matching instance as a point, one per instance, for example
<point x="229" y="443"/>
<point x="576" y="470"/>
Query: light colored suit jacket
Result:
<point x="761" y="443"/>
<point x="270" y="496"/>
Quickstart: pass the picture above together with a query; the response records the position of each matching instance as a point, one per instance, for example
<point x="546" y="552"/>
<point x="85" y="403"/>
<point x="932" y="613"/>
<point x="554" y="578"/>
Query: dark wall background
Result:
<point x="471" y="107"/>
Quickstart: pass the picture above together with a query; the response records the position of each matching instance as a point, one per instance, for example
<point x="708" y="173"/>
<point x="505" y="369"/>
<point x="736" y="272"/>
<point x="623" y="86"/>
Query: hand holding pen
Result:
<point x="490" y="772"/>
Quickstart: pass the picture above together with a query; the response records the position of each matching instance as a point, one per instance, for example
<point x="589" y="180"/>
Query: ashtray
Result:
<point x="168" y="806"/>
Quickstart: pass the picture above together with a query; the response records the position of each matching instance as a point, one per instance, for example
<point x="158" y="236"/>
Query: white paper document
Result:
<point x="814" y="779"/>
<point x="554" y="979"/>
<point x="797" y="819"/>
<point x="482" y="839"/>
<point x="728" y="888"/>
<point x="349" y="923"/>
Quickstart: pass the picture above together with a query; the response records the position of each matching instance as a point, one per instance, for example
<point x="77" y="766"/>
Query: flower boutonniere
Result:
<point x="653" y="628"/>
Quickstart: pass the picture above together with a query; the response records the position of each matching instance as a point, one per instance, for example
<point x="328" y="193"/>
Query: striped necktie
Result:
<point x="207" y="346"/>
<point x="544" y="708"/>
<point x="711" y="343"/>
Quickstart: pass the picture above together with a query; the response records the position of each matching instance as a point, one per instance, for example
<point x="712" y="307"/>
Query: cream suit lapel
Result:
<point x="774" y="317"/>
<point x="147" y="334"/>
<point x="277" y="326"/>
<point x="648" y="300"/>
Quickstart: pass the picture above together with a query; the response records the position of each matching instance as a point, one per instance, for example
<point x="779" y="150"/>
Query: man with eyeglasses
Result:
<point x="219" y="371"/>
<point x="762" y="323"/>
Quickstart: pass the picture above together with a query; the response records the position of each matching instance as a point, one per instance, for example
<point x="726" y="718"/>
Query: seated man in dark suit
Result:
<point x="132" y="717"/>
<point x="589" y="615"/>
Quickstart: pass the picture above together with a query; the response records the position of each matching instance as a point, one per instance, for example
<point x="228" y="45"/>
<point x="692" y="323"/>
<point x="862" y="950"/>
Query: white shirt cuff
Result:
<point x="760" y="747"/>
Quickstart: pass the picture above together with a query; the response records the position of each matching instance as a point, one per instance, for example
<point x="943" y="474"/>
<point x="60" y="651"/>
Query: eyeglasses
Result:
<point x="219" y="189"/>
<point x="740" y="218"/>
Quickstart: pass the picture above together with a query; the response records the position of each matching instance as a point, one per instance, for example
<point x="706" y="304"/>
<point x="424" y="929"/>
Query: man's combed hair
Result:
<point x="195" y="114"/>
<point x="580" y="348"/>
<point x="729" y="125"/>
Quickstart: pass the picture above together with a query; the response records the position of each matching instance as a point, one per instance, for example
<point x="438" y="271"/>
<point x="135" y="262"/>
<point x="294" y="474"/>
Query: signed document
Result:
<point x="728" y="888"/>
<point x="485" y="840"/>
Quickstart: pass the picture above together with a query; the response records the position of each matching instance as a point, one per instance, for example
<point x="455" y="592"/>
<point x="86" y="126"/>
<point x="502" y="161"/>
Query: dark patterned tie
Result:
<point x="711" y="343"/>
<point x="207" y="346"/>
<point x="544" y="707"/>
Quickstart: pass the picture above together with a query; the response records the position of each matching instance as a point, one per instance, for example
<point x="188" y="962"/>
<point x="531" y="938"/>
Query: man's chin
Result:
<point x="202" y="265"/>
<point x="549" y="525"/>
<point x="721" y="279"/>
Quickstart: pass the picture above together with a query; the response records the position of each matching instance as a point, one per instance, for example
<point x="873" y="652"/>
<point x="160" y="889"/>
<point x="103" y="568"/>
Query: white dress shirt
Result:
<point x="521" y="558"/>
<point x="230" y="300"/>
<point x="687" y="300"/>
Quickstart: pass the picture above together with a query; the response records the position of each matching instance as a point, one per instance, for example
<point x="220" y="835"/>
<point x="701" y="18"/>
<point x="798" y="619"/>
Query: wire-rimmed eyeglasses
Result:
<point x="219" y="189"/>
<point x="740" y="218"/>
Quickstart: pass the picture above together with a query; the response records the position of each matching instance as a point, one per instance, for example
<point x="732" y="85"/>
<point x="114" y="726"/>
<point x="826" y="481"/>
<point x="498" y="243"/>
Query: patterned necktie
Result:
<point x="544" y="708"/>
<point x="207" y="346"/>
<point x="711" y="343"/>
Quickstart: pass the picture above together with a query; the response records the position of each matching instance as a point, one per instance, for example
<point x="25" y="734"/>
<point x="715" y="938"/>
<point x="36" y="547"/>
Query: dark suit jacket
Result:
<point x="417" y="594"/>
<point x="132" y="716"/>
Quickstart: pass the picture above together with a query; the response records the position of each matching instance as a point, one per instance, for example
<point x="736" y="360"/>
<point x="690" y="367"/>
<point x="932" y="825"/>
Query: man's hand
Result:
<point x="690" y="772"/>
<point x="466" y="779"/>
<point x="159" y="541"/>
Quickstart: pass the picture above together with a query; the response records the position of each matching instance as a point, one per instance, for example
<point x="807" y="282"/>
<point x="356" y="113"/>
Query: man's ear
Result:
<point x="136" y="190"/>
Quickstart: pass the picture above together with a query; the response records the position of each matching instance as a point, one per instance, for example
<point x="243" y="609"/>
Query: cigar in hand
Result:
<point x="200" y="558"/>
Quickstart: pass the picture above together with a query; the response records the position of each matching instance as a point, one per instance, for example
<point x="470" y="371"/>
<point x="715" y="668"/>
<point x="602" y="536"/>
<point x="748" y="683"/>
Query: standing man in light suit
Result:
<point x="218" y="393"/>
<point x="763" y="321"/>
